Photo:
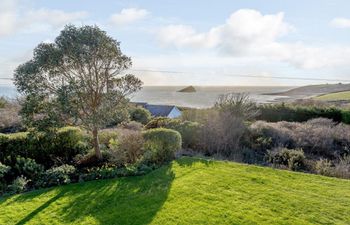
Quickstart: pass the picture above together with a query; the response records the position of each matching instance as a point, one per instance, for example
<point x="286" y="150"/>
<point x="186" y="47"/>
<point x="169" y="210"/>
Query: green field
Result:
<point x="338" y="96"/>
<point x="189" y="191"/>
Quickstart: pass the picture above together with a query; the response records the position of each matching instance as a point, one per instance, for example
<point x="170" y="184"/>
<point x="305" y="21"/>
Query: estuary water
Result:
<point x="204" y="96"/>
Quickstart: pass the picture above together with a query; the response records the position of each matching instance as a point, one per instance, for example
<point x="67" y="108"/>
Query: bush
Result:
<point x="161" y="144"/>
<point x="140" y="115"/>
<point x="106" y="135"/>
<point x="127" y="149"/>
<point x="45" y="148"/>
<point x="293" y="159"/>
<point x="28" y="168"/>
<point x="3" y="170"/>
<point x="301" y="113"/>
<point x="56" y="176"/>
<point x="69" y="142"/>
<point x="10" y="121"/>
<point x="189" y="130"/>
<point x="222" y="134"/>
<point x="320" y="136"/>
<point x="238" y="105"/>
<point x="132" y="125"/>
<point x="342" y="168"/>
<point x="19" y="185"/>
<point x="324" y="167"/>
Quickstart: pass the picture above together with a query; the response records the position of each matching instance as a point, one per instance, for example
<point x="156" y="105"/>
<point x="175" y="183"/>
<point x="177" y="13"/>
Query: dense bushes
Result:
<point x="127" y="148"/>
<point x="10" y="121"/>
<point x="320" y="137"/>
<point x="189" y="130"/>
<point x="290" y="158"/>
<point x="140" y="115"/>
<point x="56" y="176"/>
<point x="161" y="145"/>
<point x="300" y="113"/>
<point x="45" y="148"/>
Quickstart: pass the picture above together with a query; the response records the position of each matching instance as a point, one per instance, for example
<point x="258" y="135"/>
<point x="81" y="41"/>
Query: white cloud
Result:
<point x="127" y="16"/>
<point x="340" y="22"/>
<point x="248" y="33"/>
<point x="14" y="18"/>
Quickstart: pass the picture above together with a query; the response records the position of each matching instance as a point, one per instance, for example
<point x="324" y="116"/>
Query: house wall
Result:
<point x="174" y="113"/>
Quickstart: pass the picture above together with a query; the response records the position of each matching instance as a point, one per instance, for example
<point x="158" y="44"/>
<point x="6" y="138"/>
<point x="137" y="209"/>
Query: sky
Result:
<point x="179" y="42"/>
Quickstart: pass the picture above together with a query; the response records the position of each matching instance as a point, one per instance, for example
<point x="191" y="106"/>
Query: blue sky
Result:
<point x="209" y="42"/>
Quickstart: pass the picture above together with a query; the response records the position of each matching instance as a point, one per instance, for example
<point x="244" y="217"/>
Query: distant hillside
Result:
<point x="188" y="89"/>
<point x="314" y="90"/>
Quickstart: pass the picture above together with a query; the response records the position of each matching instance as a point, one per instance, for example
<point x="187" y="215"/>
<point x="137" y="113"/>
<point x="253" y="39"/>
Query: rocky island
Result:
<point x="188" y="89"/>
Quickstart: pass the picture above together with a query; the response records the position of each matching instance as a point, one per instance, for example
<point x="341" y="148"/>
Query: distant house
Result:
<point x="169" y="111"/>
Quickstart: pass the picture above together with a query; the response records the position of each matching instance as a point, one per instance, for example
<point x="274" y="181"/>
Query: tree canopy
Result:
<point x="77" y="79"/>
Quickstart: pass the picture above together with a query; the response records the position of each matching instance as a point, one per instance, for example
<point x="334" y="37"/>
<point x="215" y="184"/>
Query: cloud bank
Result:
<point x="249" y="33"/>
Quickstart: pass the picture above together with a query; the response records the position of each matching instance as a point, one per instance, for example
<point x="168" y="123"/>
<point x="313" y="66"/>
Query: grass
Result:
<point x="189" y="191"/>
<point x="338" y="96"/>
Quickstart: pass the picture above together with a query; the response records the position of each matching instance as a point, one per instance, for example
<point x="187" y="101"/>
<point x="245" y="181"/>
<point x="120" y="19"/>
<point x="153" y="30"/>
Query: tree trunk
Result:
<point x="96" y="143"/>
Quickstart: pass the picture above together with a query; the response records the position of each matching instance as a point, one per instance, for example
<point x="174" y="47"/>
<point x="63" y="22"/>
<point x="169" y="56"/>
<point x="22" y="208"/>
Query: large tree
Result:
<point x="79" y="77"/>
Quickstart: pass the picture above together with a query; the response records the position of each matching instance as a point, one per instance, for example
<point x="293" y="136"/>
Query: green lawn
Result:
<point x="344" y="95"/>
<point x="189" y="191"/>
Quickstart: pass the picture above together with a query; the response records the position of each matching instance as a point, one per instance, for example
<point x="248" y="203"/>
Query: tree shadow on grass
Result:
<point x="186" y="161"/>
<point x="40" y="208"/>
<point x="129" y="200"/>
<point x="132" y="200"/>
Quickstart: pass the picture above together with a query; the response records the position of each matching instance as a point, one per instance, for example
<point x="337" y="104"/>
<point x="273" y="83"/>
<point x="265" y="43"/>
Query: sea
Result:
<point x="205" y="96"/>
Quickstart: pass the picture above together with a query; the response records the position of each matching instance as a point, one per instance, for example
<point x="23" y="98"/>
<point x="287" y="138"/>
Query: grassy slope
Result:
<point x="189" y="191"/>
<point x="345" y="95"/>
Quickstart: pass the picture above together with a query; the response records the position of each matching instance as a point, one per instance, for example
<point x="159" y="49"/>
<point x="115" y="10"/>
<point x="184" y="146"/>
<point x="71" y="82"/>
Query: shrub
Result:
<point x="238" y="105"/>
<point x="69" y="142"/>
<point x="324" y="167"/>
<point x="342" y="168"/>
<point x="106" y="135"/>
<point x="319" y="136"/>
<point x="28" y="168"/>
<point x="10" y="121"/>
<point x="161" y="144"/>
<point x="132" y="125"/>
<point x="140" y="115"/>
<point x="189" y="130"/>
<point x="127" y="149"/>
<point x="46" y="148"/>
<point x="301" y="113"/>
<point x="3" y="170"/>
<point x="222" y="134"/>
<point x="293" y="159"/>
<point x="158" y="122"/>
<point x="57" y="176"/>
<point x="18" y="185"/>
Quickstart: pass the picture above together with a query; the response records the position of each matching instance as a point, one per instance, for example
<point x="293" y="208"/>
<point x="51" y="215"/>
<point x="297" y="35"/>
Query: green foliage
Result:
<point x="28" y="168"/>
<point x="189" y="191"/>
<point x="19" y="185"/>
<point x="107" y="172"/>
<point x="293" y="159"/>
<point x="161" y="144"/>
<point x="189" y="130"/>
<point x="76" y="79"/>
<point x="106" y="135"/>
<point x="3" y="170"/>
<point x="140" y="115"/>
<point x="56" y="176"/>
<point x="44" y="147"/>
<point x="291" y="113"/>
